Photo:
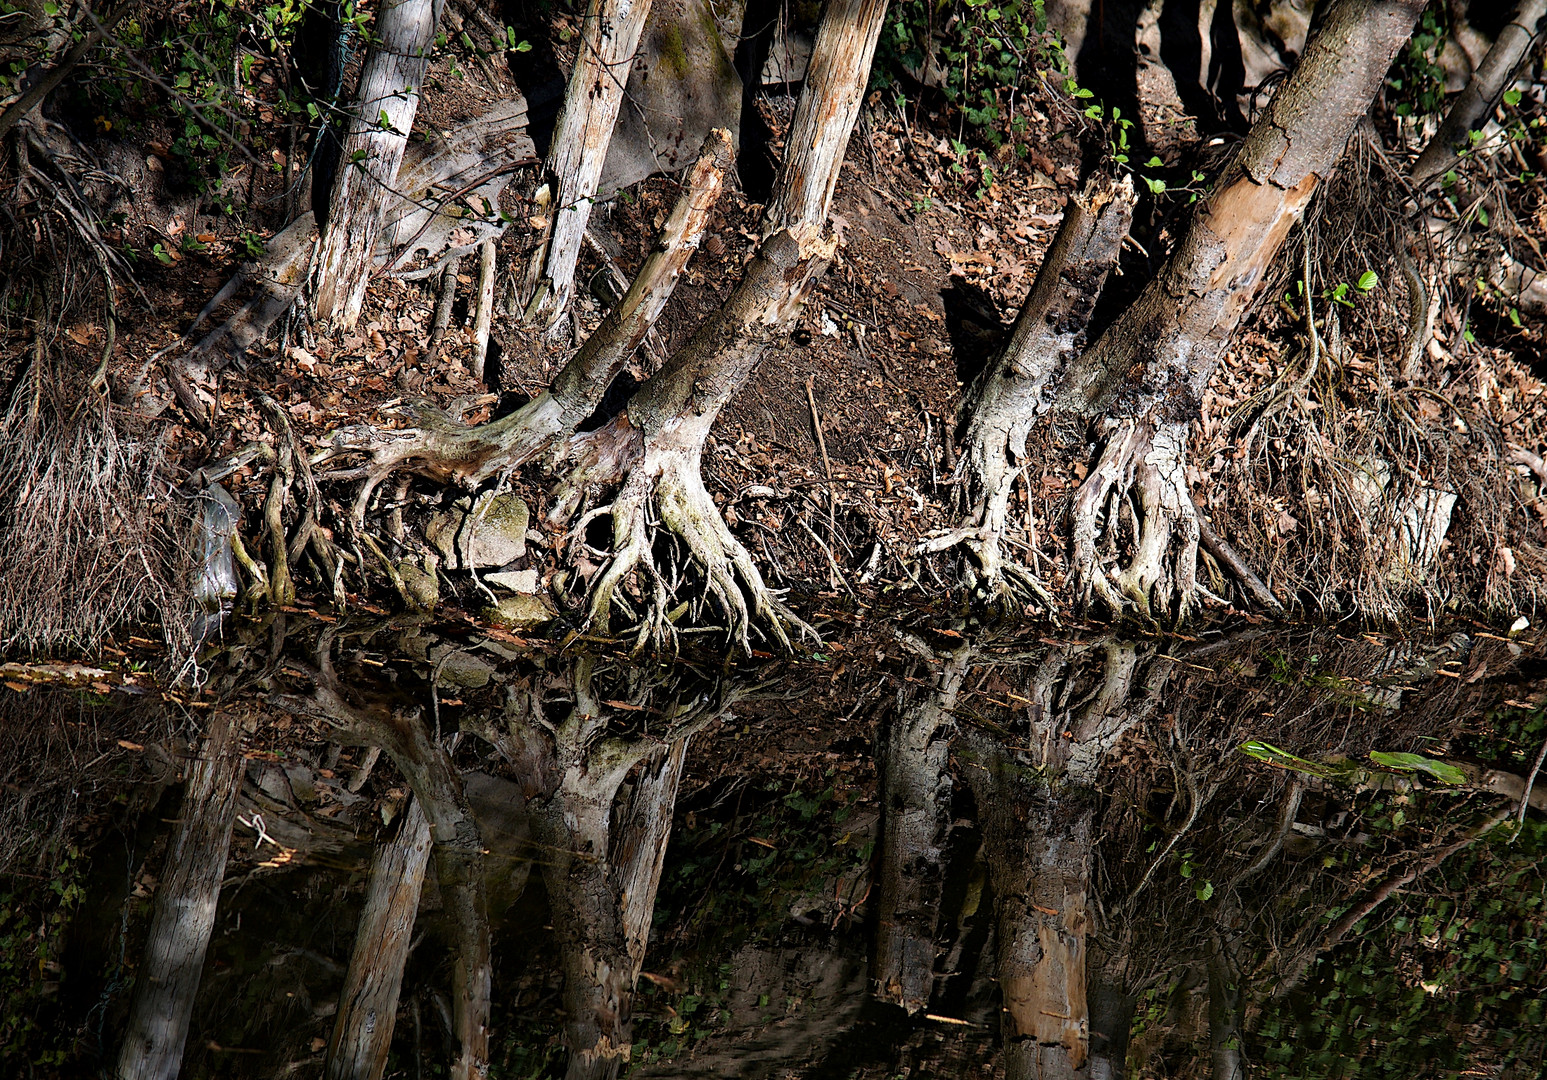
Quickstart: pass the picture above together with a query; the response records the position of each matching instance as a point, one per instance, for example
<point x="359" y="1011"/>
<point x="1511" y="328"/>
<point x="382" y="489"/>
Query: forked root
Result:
<point x="988" y="475"/>
<point x="658" y="486"/>
<point x="1144" y="458"/>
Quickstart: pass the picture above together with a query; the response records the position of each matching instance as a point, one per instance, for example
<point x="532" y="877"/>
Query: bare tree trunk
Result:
<point x="1011" y="393"/>
<point x="1225" y="1001"/>
<point x="184" y="913"/>
<point x="373" y="149"/>
<point x="915" y="823"/>
<point x="609" y="37"/>
<point x="367" y="1012"/>
<point x="652" y="452"/>
<point x="1141" y="383"/>
<point x="1482" y="93"/>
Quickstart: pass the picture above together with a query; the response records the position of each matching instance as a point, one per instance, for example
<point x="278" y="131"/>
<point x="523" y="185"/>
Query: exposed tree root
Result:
<point x="1011" y="395"/>
<point x="659" y="488"/>
<point x="1143" y="460"/>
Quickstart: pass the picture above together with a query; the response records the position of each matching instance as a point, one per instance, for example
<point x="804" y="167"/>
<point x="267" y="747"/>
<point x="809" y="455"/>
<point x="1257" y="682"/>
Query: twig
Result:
<point x="443" y="303"/>
<point x="827" y="466"/>
<point x="1525" y="796"/>
<point x="485" y="307"/>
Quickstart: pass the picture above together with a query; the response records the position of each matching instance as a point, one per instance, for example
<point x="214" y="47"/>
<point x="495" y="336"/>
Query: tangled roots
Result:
<point x="1144" y="458"/>
<point x="659" y="491"/>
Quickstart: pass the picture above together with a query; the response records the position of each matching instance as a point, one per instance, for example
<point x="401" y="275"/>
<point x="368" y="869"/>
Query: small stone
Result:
<point x="522" y="611"/>
<point x="423" y="588"/>
<point x="460" y="669"/>
<point x="491" y="532"/>
<point x="518" y="581"/>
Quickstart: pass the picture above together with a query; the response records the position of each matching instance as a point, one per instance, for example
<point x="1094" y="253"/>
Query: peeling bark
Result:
<point x="1142" y="382"/>
<point x="373" y="149"/>
<point x="609" y="37"/>
<point x="367" y="1012"/>
<point x="183" y="916"/>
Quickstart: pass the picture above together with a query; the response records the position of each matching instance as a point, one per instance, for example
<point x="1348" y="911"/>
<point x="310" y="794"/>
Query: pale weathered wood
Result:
<point x="824" y="118"/>
<point x="609" y="37"/>
<point x="386" y="102"/>
<point x="367" y="1010"/>
<point x="484" y="313"/>
<point x="183" y="916"/>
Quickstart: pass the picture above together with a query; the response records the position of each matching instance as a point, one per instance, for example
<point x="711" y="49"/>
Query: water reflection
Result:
<point x="393" y="848"/>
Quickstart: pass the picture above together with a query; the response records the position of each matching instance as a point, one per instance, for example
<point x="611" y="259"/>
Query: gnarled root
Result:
<point x="658" y="485"/>
<point x="990" y="468"/>
<point x="1144" y="458"/>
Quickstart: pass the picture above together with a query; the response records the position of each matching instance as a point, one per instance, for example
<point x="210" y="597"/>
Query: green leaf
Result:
<point x="1272" y="755"/>
<point x="1154" y="163"/>
<point x="1442" y="771"/>
<point x="1367" y="281"/>
<point x="1204" y="889"/>
<point x="1512" y="98"/>
<point x="1157" y="187"/>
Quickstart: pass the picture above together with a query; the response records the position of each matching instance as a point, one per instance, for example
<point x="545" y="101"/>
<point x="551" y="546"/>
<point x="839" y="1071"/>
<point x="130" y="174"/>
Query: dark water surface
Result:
<point x="371" y="848"/>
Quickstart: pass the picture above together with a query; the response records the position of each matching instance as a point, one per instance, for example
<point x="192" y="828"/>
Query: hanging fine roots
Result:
<point x="87" y="543"/>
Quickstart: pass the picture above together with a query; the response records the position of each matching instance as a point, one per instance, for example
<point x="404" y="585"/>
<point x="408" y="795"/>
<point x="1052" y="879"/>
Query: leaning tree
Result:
<point x="1136" y="389"/>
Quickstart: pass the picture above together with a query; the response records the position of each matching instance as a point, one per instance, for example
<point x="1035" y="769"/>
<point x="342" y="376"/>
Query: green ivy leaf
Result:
<point x="1204" y="889"/>
<point x="1442" y="771"/>
<point x="1367" y="281"/>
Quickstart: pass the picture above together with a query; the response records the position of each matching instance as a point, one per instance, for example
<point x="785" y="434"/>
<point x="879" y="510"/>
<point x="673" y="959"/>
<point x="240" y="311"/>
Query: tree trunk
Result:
<point x="1039" y="845"/>
<point x="184" y="913"/>
<point x="1482" y="93"/>
<point x="915" y="823"/>
<point x="1225" y="999"/>
<point x="1142" y="382"/>
<point x="1011" y="393"/>
<point x="651" y="452"/>
<point x="609" y="37"/>
<point x="362" y="1034"/>
<point x="373" y="148"/>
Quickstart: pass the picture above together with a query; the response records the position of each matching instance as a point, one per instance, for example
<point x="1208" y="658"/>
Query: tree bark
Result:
<point x="1142" y="382"/>
<point x="1010" y="395"/>
<point x="362" y="1034"/>
<point x="609" y="37"/>
<point x="1482" y="93"/>
<point x="915" y="824"/>
<point x="184" y="912"/>
<point x="378" y="132"/>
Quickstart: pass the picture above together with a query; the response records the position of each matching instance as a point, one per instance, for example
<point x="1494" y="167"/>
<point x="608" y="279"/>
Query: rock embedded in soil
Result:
<point x="517" y="581"/>
<point x="522" y="611"/>
<point x="491" y="532"/>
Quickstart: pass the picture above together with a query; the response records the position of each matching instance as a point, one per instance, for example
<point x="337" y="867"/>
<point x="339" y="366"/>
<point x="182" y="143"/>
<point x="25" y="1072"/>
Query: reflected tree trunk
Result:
<point x="915" y="823"/>
<point x="457" y="843"/>
<point x="362" y="1034"/>
<point x="184" y="913"/>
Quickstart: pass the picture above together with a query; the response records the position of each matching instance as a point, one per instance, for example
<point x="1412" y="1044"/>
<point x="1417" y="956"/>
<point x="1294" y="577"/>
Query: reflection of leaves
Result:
<point x="1441" y="771"/>
<point x="1283" y="759"/>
